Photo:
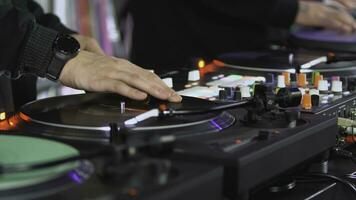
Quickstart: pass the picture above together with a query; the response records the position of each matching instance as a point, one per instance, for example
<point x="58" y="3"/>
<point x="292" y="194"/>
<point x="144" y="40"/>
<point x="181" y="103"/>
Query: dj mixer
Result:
<point x="244" y="124"/>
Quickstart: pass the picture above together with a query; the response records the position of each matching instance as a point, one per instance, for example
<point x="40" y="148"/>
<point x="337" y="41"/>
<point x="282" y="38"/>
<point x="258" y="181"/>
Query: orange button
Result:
<point x="302" y="80"/>
<point x="286" y="78"/>
<point x="306" y="102"/>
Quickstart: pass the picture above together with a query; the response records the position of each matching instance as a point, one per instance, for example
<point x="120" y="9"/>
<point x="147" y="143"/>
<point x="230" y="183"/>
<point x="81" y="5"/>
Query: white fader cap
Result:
<point x="281" y="82"/>
<point x="245" y="91"/>
<point x="336" y="86"/>
<point x="323" y="85"/>
<point x="194" y="75"/>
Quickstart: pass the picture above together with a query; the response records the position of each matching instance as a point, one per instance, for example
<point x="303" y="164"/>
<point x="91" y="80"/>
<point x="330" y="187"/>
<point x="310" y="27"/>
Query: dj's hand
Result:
<point x="88" y="44"/>
<point x="348" y="4"/>
<point x="94" y="72"/>
<point x="320" y="15"/>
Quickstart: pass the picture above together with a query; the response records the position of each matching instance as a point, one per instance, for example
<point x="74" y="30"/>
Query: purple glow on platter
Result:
<point x="216" y="125"/>
<point x="75" y="177"/>
<point x="325" y="35"/>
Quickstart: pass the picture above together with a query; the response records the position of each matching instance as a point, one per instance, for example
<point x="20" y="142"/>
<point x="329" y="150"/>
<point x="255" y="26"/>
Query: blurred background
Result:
<point x="95" y="18"/>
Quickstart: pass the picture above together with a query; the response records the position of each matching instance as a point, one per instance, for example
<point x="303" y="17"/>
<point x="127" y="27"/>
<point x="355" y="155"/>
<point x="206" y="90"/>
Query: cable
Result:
<point x="350" y="185"/>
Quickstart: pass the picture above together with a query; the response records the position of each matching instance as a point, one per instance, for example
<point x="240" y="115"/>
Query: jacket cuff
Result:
<point x="38" y="53"/>
<point x="284" y="13"/>
<point x="53" y="22"/>
<point x="64" y="30"/>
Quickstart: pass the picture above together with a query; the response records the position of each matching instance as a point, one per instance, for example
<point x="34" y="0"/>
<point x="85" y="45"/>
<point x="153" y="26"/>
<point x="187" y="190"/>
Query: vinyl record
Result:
<point x="89" y="116"/>
<point x="16" y="150"/>
<point x="329" y="40"/>
<point x="262" y="63"/>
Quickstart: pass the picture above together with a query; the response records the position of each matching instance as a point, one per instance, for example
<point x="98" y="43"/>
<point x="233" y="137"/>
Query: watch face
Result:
<point x="67" y="45"/>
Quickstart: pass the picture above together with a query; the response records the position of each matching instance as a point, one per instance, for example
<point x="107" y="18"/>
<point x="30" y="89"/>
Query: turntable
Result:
<point x="37" y="168"/>
<point x="268" y="62"/>
<point x="21" y="151"/>
<point x="90" y="117"/>
<point x="215" y="144"/>
<point x="322" y="39"/>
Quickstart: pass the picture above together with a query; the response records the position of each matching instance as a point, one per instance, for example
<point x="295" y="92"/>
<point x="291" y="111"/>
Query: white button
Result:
<point x="215" y="78"/>
<point x="245" y="92"/>
<point x="168" y="81"/>
<point x="194" y="75"/>
<point x="323" y="85"/>
<point x="346" y="93"/>
<point x="281" y="82"/>
<point x="336" y="86"/>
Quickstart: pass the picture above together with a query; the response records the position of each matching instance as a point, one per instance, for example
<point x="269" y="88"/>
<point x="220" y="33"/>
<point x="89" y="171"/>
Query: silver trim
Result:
<point x="289" y="70"/>
<point x="107" y="128"/>
<point x="103" y="128"/>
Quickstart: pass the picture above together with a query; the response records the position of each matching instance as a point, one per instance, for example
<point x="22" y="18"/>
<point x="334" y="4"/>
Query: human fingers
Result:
<point x="93" y="46"/>
<point x="349" y="4"/>
<point x="114" y="86"/>
<point x="93" y="72"/>
<point x="320" y="15"/>
<point x="88" y="44"/>
<point x="137" y="81"/>
<point x="347" y="21"/>
<point x="338" y="26"/>
<point x="149" y="77"/>
<point x="174" y="96"/>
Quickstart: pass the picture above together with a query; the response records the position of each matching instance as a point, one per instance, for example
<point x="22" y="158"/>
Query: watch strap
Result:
<point x="65" y="48"/>
<point x="55" y="69"/>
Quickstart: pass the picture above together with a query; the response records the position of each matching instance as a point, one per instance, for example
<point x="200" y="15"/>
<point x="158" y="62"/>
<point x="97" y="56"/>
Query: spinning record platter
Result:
<point x="263" y="63"/>
<point x="330" y="40"/>
<point x="92" y="116"/>
<point x="16" y="150"/>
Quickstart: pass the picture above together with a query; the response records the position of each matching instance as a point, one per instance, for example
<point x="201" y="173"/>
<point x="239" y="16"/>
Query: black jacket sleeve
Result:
<point x="275" y="13"/>
<point x="48" y="20"/>
<point x="25" y="46"/>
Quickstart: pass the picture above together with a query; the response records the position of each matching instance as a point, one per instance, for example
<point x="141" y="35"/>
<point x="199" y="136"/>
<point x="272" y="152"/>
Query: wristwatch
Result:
<point x="65" y="48"/>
